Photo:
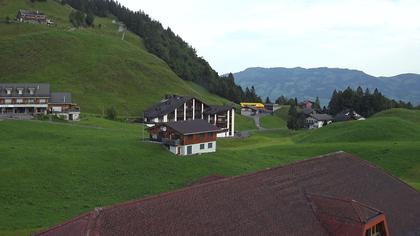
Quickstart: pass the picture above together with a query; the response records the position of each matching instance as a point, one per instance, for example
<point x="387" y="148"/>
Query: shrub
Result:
<point x="111" y="113"/>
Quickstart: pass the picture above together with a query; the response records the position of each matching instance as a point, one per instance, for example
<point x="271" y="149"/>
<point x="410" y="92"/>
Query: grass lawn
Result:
<point x="277" y="120"/>
<point x="51" y="172"/>
<point x="243" y="123"/>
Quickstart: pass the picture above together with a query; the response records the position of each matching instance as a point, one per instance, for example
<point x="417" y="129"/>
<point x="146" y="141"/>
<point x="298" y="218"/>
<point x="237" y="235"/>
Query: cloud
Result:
<point x="378" y="36"/>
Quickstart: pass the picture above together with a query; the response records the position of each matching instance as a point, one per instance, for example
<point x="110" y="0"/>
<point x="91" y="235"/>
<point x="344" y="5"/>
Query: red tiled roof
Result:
<point x="279" y="201"/>
<point x="207" y="179"/>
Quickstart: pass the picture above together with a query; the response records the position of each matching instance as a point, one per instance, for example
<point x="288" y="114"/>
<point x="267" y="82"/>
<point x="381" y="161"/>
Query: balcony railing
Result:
<point x="171" y="142"/>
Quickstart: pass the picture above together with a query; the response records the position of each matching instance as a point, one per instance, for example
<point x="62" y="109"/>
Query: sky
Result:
<point x="379" y="37"/>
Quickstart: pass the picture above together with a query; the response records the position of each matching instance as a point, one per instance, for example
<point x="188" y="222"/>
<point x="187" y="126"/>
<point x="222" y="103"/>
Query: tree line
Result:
<point x="179" y="55"/>
<point x="363" y="102"/>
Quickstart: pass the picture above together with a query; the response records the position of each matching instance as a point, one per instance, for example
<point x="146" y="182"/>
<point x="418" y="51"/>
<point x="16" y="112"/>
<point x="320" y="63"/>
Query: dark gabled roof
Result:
<point x="40" y="90"/>
<point x="347" y="115"/>
<point x="31" y="12"/>
<point x="322" y="117"/>
<point x="60" y="98"/>
<point x="215" y="109"/>
<point x="166" y="106"/>
<point x="192" y="127"/>
<point x="308" y="111"/>
<point x="278" y="201"/>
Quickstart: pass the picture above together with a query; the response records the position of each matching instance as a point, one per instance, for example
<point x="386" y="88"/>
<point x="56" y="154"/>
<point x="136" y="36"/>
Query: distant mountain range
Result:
<point x="310" y="83"/>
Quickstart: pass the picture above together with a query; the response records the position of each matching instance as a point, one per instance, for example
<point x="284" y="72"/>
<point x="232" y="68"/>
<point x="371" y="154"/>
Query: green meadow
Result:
<point x="94" y="64"/>
<point x="51" y="172"/>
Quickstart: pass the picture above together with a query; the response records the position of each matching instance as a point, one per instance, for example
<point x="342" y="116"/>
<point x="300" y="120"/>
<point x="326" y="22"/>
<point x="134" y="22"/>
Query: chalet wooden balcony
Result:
<point x="171" y="142"/>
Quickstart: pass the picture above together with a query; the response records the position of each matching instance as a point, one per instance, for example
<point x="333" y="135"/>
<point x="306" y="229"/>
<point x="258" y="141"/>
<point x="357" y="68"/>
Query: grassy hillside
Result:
<point x="94" y="64"/>
<point x="277" y="120"/>
<point x="60" y="170"/>
<point x="374" y="129"/>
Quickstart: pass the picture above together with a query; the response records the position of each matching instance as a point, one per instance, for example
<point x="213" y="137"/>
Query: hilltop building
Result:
<point x="181" y="108"/>
<point x="32" y="17"/>
<point x="348" y="115"/>
<point x="332" y="195"/>
<point x="317" y="120"/>
<point x="187" y="137"/>
<point x="23" y="101"/>
<point x="307" y="104"/>
<point x="252" y="108"/>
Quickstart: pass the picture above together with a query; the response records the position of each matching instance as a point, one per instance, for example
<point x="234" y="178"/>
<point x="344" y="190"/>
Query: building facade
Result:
<point x="62" y="106"/>
<point x="23" y="101"/>
<point x="316" y="120"/>
<point x="181" y="108"/>
<point x="31" y="16"/>
<point x="186" y="137"/>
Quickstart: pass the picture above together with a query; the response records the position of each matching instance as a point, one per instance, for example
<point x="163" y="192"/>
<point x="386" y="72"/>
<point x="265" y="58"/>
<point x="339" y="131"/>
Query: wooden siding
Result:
<point x="199" y="138"/>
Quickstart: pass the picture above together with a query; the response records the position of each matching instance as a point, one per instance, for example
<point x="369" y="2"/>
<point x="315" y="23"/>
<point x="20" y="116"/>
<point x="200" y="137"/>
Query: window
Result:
<point x="31" y="101"/>
<point x="19" y="100"/>
<point x="376" y="230"/>
<point x="202" y="146"/>
<point x="31" y="91"/>
<point x="42" y="100"/>
<point x="20" y="91"/>
<point x="209" y="135"/>
<point x="8" y="101"/>
<point x="210" y="145"/>
<point x="8" y="91"/>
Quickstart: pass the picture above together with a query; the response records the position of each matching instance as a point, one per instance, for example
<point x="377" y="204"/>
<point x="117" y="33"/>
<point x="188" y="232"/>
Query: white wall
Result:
<point x="195" y="148"/>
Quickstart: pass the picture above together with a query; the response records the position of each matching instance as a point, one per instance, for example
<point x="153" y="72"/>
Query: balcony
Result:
<point x="171" y="142"/>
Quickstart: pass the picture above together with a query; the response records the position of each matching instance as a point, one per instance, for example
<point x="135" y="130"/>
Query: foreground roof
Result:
<point x="318" y="196"/>
<point x="192" y="127"/>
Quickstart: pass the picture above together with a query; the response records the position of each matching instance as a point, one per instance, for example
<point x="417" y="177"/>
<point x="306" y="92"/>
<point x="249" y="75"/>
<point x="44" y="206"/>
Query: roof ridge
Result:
<point x="228" y="178"/>
<point x="383" y="171"/>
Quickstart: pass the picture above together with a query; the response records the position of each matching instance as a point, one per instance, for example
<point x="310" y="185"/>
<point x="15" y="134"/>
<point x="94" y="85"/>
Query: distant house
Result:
<point x="271" y="107"/>
<point x="181" y="108"/>
<point x="31" y="16"/>
<point x="348" y="115"/>
<point x="61" y="105"/>
<point x="331" y="195"/>
<point x="315" y="120"/>
<point x="306" y="104"/>
<point x="23" y="101"/>
<point x="187" y="137"/>
<point x="308" y="111"/>
<point x="252" y="108"/>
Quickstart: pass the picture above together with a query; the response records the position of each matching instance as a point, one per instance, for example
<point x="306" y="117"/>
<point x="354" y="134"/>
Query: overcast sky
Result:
<point x="380" y="37"/>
